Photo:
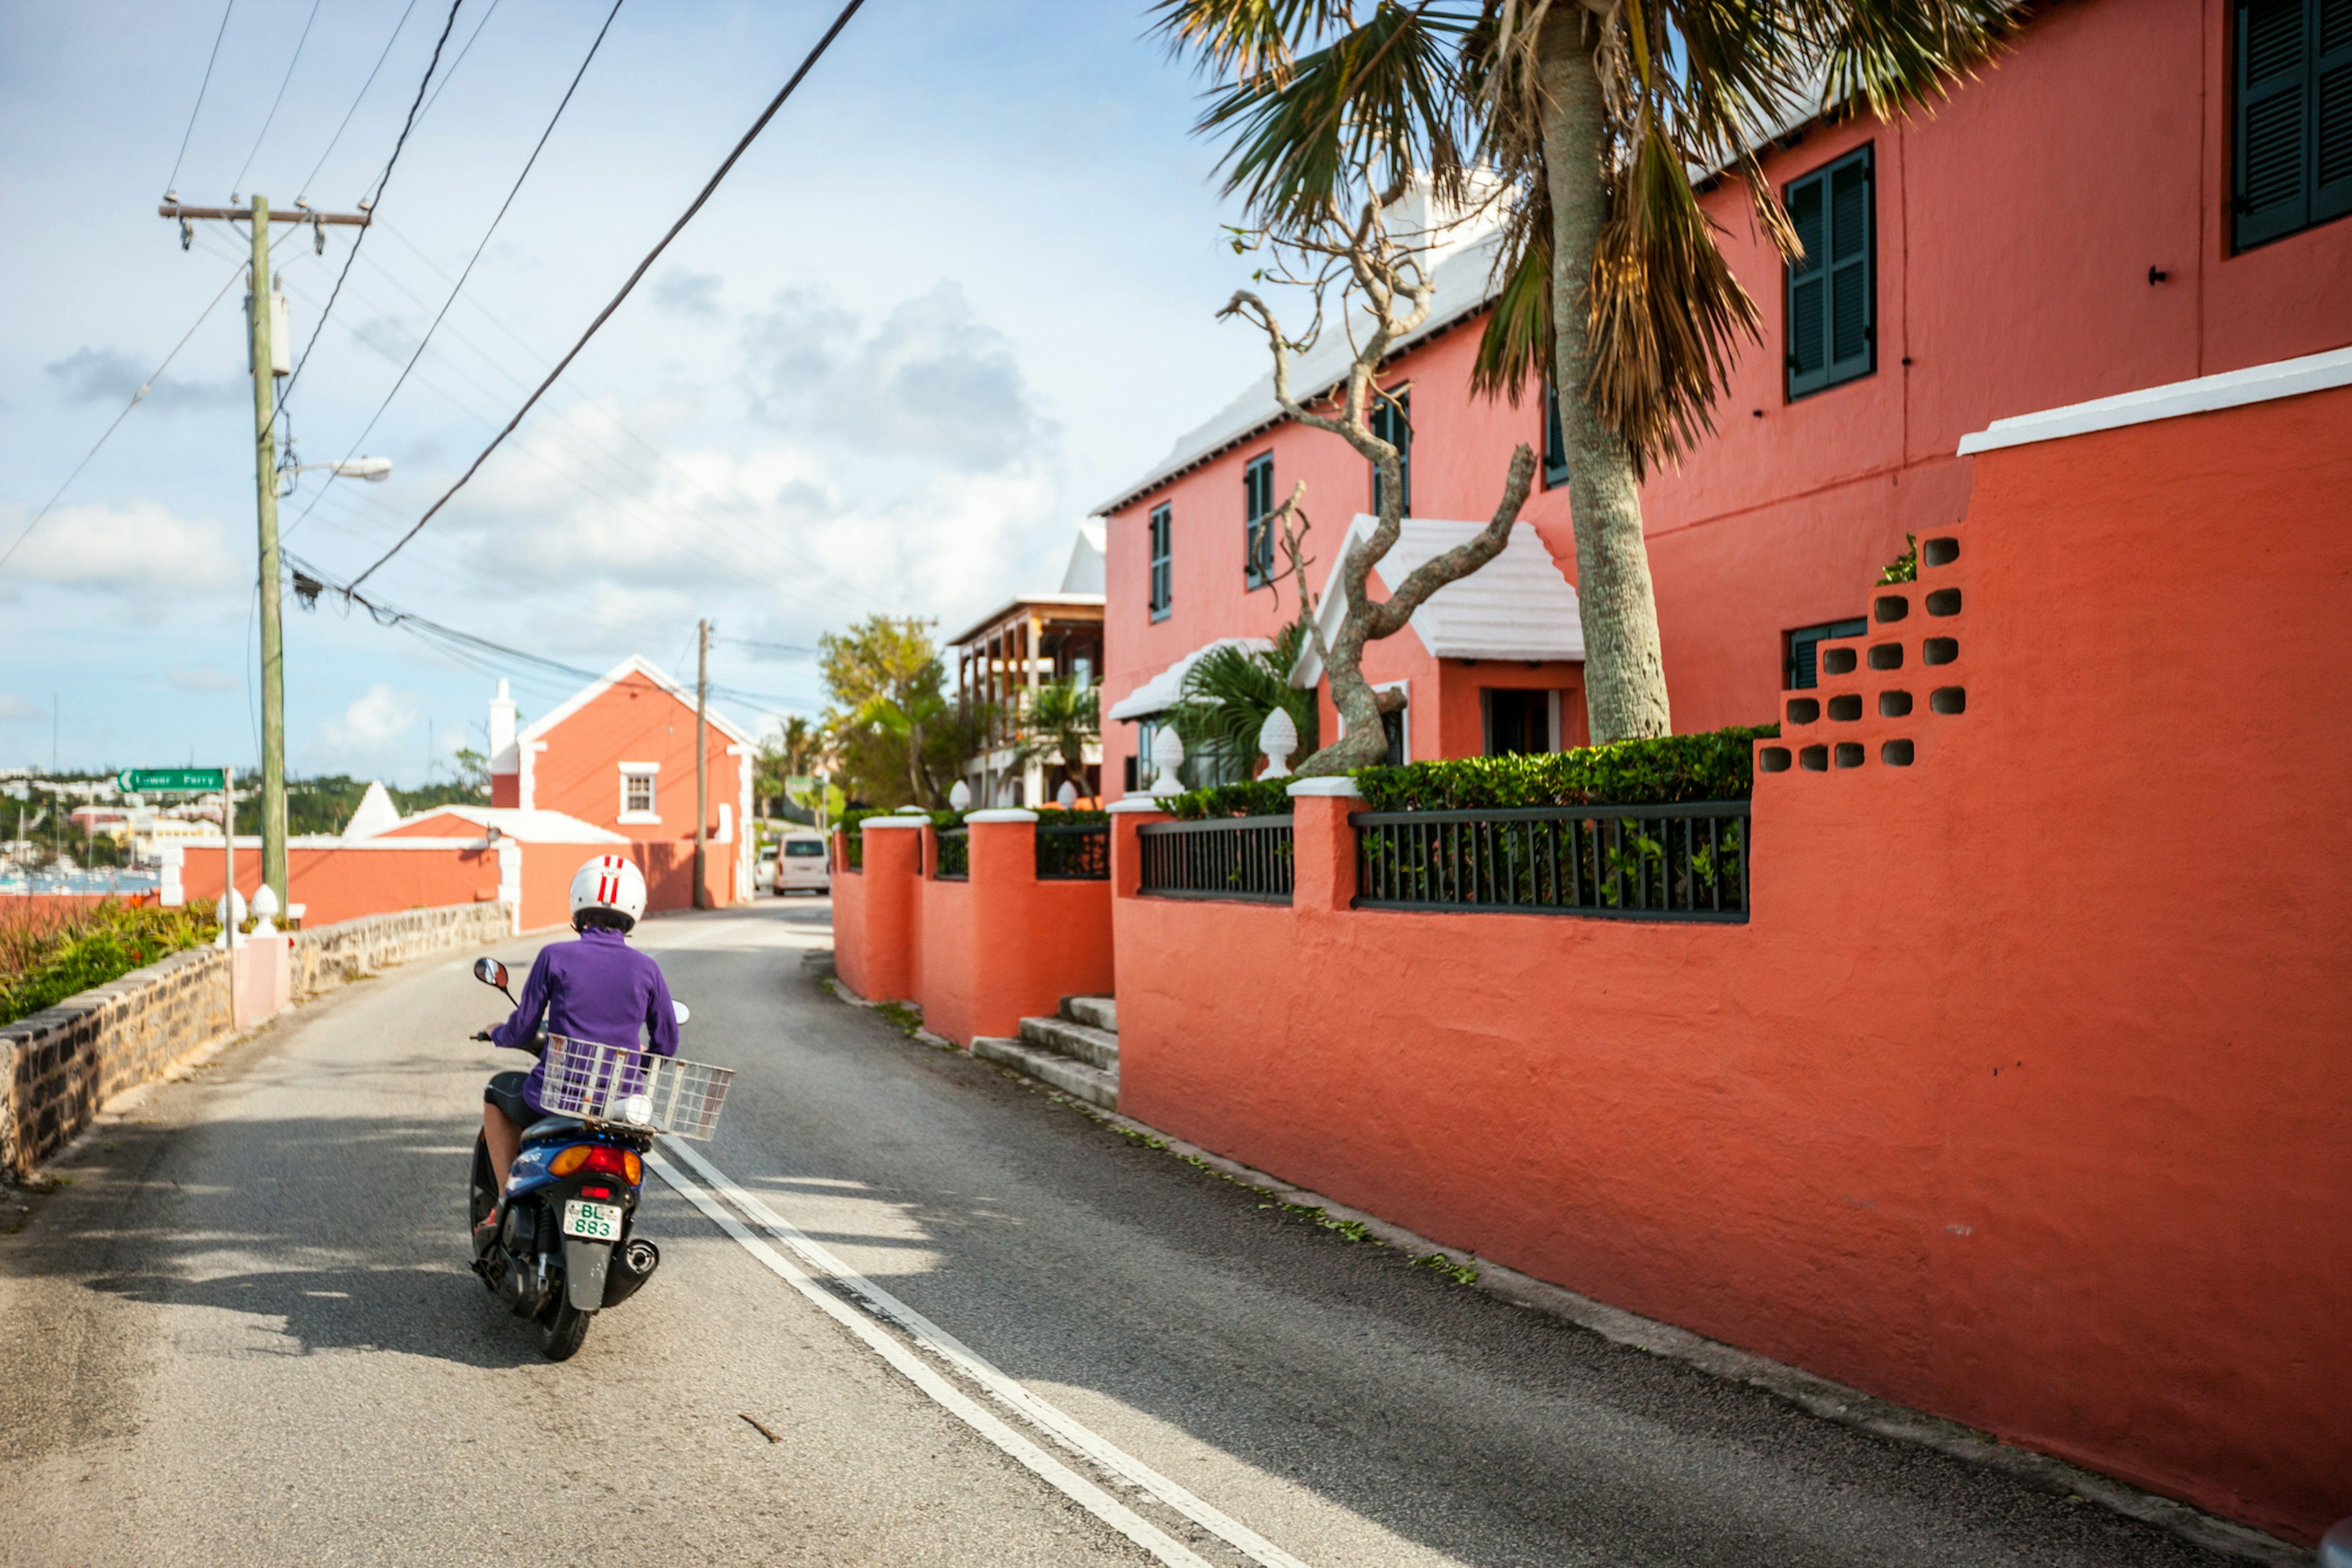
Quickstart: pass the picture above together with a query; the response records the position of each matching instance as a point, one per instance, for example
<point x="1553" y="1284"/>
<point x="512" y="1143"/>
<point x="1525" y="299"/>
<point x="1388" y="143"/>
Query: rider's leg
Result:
<point x="505" y="1140"/>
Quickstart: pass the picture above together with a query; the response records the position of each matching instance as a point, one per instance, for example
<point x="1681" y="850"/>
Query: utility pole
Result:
<point x="265" y="485"/>
<point x="260" y="306"/>
<point x="701" y="758"/>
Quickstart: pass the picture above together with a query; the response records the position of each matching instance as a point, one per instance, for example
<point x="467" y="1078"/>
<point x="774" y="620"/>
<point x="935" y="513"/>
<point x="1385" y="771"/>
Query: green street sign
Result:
<point x="152" y="781"/>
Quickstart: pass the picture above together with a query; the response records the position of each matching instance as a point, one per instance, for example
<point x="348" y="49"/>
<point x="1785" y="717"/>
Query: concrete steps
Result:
<point x="1077" y="1051"/>
<point x="1081" y="1042"/>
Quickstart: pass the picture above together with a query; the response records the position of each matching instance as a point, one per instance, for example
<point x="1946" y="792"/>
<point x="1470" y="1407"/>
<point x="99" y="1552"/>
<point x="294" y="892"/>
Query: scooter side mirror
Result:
<point x="679" y="1007"/>
<point x="490" y="972"/>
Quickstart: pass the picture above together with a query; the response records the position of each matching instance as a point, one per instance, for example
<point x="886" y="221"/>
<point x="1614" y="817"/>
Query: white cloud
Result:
<point x="932" y="382"/>
<point x="111" y="376"/>
<point x="139" y="547"/>
<point x="374" y="734"/>
<point x="689" y="293"/>
<point x="14" y="710"/>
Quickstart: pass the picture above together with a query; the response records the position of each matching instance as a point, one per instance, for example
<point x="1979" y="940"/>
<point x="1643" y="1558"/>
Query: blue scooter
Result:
<point x="562" y="1249"/>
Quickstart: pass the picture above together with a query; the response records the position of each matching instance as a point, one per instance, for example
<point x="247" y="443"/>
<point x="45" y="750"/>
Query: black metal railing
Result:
<point x="951" y="853"/>
<point x="1682" y="862"/>
<point x="1225" y="858"/>
<point x="1074" y="854"/>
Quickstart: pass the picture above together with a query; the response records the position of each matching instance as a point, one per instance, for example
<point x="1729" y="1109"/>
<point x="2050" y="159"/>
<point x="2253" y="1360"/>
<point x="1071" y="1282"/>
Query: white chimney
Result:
<point x="502" y="721"/>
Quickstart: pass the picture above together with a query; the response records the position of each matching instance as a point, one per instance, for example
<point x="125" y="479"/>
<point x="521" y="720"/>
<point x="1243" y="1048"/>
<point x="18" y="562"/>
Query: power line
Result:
<point x="239" y="184"/>
<point x="584" y="457"/>
<point x="758" y="539"/>
<point x="528" y="164"/>
<point x="471" y="38"/>
<point x="145" y="388"/>
<point x="601" y="316"/>
<point x="354" y="108"/>
<point x="368" y="205"/>
<point x="466" y="644"/>
<point x="776" y="646"/>
<point x="172" y="183"/>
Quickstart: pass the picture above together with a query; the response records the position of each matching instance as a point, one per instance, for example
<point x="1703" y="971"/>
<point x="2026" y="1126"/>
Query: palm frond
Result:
<point x="1891" y="54"/>
<point x="1514" y="350"/>
<point x="1229" y="691"/>
<point x="1247" y="38"/>
<point x="1382" y="100"/>
<point x="1664" y="310"/>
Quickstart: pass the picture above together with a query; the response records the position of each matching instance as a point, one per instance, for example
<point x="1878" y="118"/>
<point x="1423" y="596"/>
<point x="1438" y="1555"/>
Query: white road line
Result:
<point x="954" y="1352"/>
<point x="1084" y="1492"/>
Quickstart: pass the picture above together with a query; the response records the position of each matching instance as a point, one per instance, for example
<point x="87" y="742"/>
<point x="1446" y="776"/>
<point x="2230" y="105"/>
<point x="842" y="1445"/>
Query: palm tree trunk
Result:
<point x="1625" y="674"/>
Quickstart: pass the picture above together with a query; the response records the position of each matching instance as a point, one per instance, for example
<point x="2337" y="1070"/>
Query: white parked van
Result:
<point x="800" y="865"/>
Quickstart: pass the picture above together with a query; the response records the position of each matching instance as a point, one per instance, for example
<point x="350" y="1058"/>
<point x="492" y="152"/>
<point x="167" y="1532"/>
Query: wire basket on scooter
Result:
<point x="634" y="1089"/>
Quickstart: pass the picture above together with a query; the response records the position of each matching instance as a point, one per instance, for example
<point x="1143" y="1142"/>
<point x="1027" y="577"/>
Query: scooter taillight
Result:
<point x="621" y="1163"/>
<point x="596" y="1191"/>
<point x="599" y="1159"/>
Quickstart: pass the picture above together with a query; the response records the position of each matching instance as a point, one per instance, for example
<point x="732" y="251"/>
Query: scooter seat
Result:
<point x="548" y="1129"/>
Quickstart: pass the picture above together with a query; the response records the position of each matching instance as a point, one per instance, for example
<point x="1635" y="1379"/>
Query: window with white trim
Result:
<point x="640" y="792"/>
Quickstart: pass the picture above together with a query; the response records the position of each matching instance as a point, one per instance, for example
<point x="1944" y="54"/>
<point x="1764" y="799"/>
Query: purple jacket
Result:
<point x="598" y="988"/>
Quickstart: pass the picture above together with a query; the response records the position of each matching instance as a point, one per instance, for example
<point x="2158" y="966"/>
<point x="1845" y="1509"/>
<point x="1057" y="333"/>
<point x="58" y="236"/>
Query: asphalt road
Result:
<point x="244" y="1334"/>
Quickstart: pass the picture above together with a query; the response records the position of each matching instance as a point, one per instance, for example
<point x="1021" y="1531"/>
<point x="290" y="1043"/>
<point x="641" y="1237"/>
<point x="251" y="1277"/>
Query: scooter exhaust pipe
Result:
<point x="632" y="1265"/>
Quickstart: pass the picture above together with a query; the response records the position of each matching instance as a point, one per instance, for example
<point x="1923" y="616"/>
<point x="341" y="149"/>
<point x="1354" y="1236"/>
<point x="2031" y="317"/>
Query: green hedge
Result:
<point x="1055" y="817"/>
<point x="43" y="963"/>
<point x="1716" y="765"/>
<point x="1258" y="797"/>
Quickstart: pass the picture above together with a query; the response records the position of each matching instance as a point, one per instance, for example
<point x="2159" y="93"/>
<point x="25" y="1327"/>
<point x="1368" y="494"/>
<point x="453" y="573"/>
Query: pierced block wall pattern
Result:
<point x="1879" y="717"/>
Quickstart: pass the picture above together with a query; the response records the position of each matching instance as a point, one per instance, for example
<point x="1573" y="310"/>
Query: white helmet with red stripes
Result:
<point x="609" y="882"/>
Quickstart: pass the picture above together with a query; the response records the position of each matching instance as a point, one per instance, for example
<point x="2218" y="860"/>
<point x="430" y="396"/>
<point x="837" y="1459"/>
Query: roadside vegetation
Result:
<point x="1716" y="765"/>
<point x="49" y="951"/>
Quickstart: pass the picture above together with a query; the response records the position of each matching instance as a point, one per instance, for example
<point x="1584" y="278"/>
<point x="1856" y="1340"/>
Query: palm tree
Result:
<point x="1594" y="114"/>
<point x="1230" y="690"/>
<point x="1059" y="721"/>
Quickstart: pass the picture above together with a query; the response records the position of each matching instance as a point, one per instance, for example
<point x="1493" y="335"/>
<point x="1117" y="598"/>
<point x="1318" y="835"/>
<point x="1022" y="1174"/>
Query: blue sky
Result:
<point x="961" y="289"/>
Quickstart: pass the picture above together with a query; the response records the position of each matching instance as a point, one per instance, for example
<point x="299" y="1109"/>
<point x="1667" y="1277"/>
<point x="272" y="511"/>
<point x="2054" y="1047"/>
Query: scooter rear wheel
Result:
<point x="561" y="1328"/>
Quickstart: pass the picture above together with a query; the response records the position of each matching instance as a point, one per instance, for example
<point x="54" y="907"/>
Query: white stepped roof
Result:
<point x="375" y="813"/>
<point x="1517" y="606"/>
<point x="1161" y="692"/>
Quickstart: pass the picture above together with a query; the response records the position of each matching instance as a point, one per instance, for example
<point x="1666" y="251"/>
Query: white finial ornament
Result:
<point x="1066" y="796"/>
<point x="960" y="797"/>
<point x="1277" y="738"/>
<point x="236" y="902"/>
<point x="264" y="904"/>
<point x="1166" y="756"/>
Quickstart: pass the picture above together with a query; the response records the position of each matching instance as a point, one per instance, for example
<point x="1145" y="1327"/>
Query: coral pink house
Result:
<point x="619" y="756"/>
<point x="2072" y="224"/>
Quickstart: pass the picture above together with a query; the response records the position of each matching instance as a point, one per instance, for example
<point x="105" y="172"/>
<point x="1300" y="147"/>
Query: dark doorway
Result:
<point x="1518" y="723"/>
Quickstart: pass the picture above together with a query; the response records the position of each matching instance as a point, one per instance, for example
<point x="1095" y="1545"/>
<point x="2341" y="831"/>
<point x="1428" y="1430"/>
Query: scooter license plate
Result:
<point x="596" y="1222"/>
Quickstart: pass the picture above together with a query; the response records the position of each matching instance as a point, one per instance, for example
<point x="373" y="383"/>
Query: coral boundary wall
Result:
<point x="979" y="953"/>
<point x="2024" y="1096"/>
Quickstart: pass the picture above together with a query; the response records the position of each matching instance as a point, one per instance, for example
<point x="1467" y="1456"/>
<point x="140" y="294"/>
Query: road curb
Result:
<point x="1816" y="1395"/>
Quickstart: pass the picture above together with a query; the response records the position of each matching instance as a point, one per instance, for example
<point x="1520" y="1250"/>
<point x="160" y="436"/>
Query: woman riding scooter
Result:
<point x="597" y="988"/>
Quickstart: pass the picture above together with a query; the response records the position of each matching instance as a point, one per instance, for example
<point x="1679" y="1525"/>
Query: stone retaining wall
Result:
<point x="59" y="1066"/>
<point x="329" y="956"/>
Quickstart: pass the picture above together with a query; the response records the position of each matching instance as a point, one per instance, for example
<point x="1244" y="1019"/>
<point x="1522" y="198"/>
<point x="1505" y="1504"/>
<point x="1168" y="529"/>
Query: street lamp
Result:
<point x="375" y="471"/>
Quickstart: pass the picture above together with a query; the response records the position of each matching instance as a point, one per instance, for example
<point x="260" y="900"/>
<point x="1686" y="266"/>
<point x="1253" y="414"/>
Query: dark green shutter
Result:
<point x="1832" y="306"/>
<point x="1391" y="421"/>
<point x="1555" y="443"/>
<point x="1257" y="528"/>
<point x="1163" y="583"/>
<point x="2291" y="166"/>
